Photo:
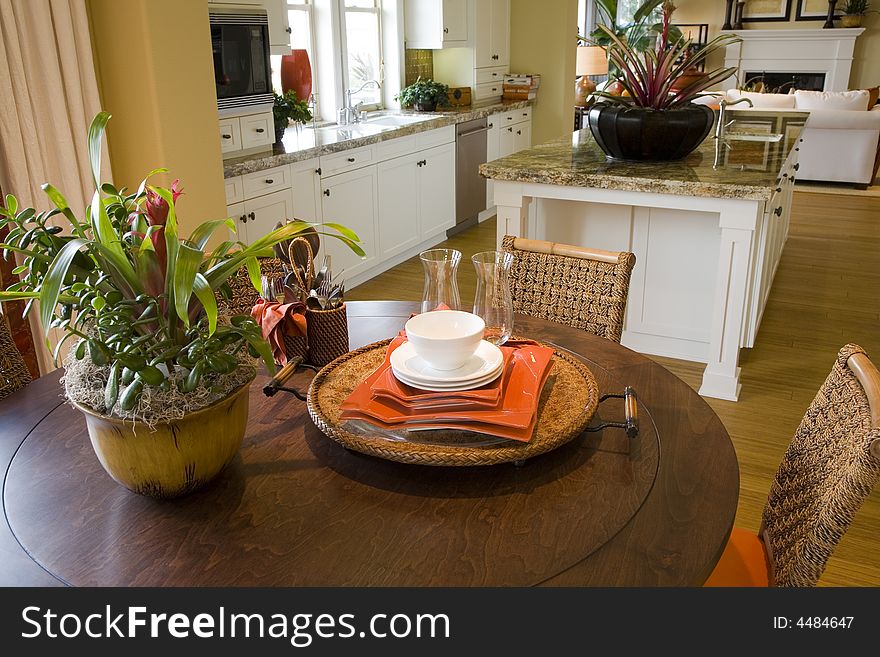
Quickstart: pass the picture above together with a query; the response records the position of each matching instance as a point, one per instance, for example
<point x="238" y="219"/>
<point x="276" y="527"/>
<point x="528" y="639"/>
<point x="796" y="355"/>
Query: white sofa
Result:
<point x="840" y="137"/>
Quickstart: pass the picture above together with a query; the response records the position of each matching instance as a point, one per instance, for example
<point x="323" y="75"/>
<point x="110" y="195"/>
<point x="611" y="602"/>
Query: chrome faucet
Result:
<point x="351" y="114"/>
<point x="721" y="126"/>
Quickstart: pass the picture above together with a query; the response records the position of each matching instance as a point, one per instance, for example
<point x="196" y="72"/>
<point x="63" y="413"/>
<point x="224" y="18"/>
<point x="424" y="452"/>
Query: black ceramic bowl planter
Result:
<point x="637" y="133"/>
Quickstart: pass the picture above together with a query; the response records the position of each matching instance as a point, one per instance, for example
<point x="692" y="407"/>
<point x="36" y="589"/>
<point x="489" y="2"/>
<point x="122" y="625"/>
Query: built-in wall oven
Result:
<point x="240" y="41"/>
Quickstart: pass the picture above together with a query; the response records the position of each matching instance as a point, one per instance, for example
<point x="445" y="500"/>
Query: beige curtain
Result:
<point x="49" y="96"/>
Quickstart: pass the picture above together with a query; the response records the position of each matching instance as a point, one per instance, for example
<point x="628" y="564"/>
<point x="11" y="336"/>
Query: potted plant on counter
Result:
<point x="424" y="95"/>
<point x="853" y="11"/>
<point x="286" y="108"/>
<point x="161" y="379"/>
<point x="653" y="118"/>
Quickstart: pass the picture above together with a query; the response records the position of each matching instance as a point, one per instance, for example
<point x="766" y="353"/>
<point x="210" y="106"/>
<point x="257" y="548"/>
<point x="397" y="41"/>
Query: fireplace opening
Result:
<point x="782" y="83"/>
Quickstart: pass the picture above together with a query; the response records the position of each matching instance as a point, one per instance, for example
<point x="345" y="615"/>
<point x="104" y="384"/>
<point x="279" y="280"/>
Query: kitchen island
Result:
<point x="707" y="231"/>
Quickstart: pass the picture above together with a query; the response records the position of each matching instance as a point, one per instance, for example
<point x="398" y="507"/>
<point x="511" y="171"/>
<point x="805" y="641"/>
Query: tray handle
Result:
<point x="282" y="375"/>
<point x="631" y="413"/>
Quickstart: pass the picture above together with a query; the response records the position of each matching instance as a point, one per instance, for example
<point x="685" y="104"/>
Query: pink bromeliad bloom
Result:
<point x="156" y="213"/>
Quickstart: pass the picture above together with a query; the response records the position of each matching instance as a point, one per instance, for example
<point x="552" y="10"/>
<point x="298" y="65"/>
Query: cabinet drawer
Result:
<point x="230" y="135"/>
<point x="234" y="190"/>
<point x="385" y="150"/>
<point x="520" y="115"/>
<point x="488" y="90"/>
<point x="436" y="137"/>
<point x="257" y="130"/>
<point x="494" y="74"/>
<point x="347" y="160"/>
<point x="266" y="181"/>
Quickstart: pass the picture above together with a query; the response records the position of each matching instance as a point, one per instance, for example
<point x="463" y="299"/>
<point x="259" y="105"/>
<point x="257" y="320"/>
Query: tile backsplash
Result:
<point x="418" y="62"/>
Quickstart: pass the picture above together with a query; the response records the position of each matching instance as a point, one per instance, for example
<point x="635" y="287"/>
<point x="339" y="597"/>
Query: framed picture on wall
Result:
<point x="816" y="10"/>
<point x="756" y="11"/>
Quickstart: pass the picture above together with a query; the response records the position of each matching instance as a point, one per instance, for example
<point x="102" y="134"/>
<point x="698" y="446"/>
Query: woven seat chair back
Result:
<point x="14" y="374"/>
<point x="244" y="296"/>
<point x="829" y="468"/>
<point x="571" y="287"/>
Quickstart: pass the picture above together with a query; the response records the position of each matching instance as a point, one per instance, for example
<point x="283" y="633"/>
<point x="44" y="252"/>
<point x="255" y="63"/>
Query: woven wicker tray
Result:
<point x="568" y="402"/>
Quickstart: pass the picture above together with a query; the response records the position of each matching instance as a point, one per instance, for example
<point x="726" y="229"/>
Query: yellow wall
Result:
<point x="543" y="40"/>
<point x="866" y="64"/>
<point x="156" y="77"/>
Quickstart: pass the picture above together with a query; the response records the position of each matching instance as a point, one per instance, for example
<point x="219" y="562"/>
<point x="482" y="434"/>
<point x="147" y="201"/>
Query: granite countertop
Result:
<point x="744" y="165"/>
<point x="303" y="142"/>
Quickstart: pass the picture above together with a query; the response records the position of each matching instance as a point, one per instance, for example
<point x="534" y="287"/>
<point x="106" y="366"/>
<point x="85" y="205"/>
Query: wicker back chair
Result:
<point x="583" y="288"/>
<point x="244" y="296"/>
<point x="14" y="373"/>
<point x="828" y="470"/>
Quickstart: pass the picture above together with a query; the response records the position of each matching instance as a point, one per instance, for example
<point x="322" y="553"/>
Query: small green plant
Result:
<point x="858" y="8"/>
<point x="424" y="95"/>
<point x="288" y="107"/>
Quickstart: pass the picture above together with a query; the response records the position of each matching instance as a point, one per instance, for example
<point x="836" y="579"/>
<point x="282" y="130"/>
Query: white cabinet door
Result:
<point x="506" y="141"/>
<point x="483" y="33"/>
<point x="491" y="33"/>
<point x="230" y="135"/>
<point x="264" y="212"/>
<point x="257" y="130"/>
<point x="399" y="204"/>
<point x="500" y="32"/>
<point x="493" y="152"/>
<point x="437" y="190"/>
<point x="436" y="24"/>
<point x="279" y="30"/>
<point x="306" y="184"/>
<point x="351" y="199"/>
<point x="236" y="212"/>
<point x="455" y="23"/>
<point x="522" y="136"/>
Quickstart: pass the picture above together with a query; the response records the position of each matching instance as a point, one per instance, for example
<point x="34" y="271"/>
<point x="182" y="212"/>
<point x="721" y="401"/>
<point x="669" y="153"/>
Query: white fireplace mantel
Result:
<point x="795" y="51"/>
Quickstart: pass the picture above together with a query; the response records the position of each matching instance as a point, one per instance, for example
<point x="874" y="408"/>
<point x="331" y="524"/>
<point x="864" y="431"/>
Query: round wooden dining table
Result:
<point x="295" y="508"/>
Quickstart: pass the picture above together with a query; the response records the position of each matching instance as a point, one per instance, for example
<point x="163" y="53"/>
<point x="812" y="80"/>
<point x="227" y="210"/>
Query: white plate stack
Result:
<point x="483" y="367"/>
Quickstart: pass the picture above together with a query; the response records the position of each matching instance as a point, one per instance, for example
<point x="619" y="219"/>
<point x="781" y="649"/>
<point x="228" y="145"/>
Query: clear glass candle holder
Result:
<point x="493" y="301"/>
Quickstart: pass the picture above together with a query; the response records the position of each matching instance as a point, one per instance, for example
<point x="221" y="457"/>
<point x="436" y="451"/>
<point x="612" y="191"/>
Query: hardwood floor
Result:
<point x="826" y="293"/>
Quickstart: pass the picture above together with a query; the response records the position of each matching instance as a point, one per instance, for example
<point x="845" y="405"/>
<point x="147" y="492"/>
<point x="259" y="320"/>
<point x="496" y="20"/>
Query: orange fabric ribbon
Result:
<point x="278" y="320"/>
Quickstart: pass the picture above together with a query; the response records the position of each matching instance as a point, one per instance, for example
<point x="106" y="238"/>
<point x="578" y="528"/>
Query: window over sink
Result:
<point x="354" y="27"/>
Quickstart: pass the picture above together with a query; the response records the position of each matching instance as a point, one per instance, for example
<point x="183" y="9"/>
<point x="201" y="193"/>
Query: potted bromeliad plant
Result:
<point x="161" y="379"/>
<point x="424" y="95"/>
<point x="654" y="117"/>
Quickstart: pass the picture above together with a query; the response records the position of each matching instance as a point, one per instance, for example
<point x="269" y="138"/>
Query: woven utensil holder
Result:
<point x="327" y="332"/>
<point x="295" y="346"/>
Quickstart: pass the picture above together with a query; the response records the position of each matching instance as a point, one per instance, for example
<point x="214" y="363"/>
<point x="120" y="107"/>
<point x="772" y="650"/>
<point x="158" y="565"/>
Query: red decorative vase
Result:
<point x="296" y="73"/>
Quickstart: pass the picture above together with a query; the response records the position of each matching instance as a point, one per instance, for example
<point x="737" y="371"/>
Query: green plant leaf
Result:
<point x="54" y="279"/>
<point x="109" y="245"/>
<point x="143" y="186"/>
<point x="11" y="204"/>
<point x="205" y="294"/>
<point x="254" y="273"/>
<point x="188" y="262"/>
<point x="200" y="236"/>
<point x="6" y="295"/>
<point x="96" y="136"/>
<point x="263" y="349"/>
<point x="348" y="232"/>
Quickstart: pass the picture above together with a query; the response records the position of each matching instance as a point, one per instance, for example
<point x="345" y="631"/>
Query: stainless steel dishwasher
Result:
<point x="470" y="186"/>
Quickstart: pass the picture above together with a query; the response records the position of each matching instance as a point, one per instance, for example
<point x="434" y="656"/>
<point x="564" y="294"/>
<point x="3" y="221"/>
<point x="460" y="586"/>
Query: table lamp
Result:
<point x="591" y="60"/>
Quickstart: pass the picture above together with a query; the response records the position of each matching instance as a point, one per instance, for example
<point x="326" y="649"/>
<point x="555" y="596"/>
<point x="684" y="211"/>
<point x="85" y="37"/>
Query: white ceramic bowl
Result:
<point x="445" y="339"/>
